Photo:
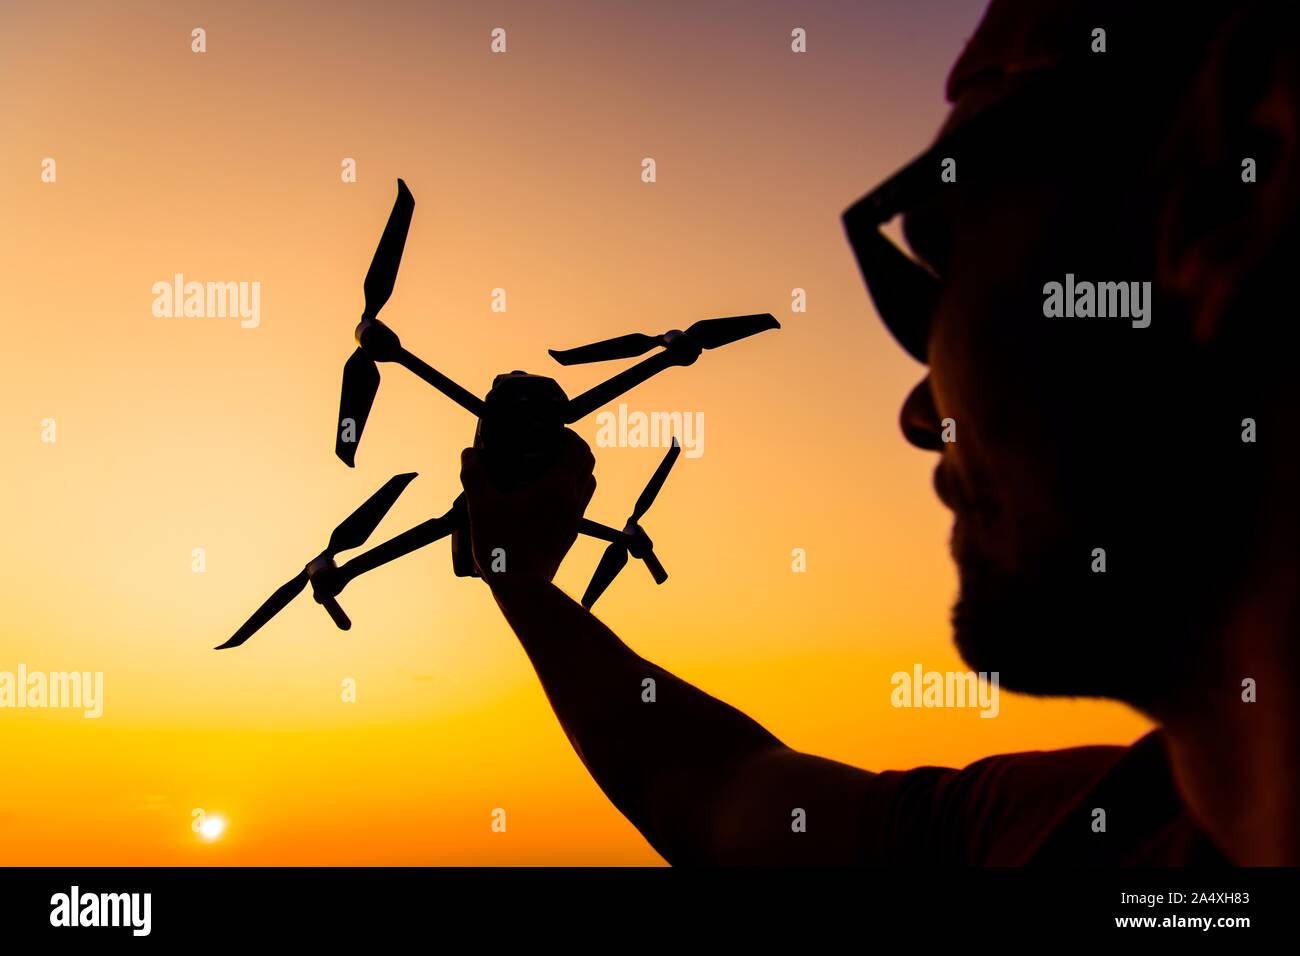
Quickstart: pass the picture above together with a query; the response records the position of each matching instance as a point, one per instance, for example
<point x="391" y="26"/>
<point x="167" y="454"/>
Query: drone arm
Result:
<point x="593" y="398"/>
<point x="462" y="397"/>
<point x="594" y="529"/>
<point x="406" y="542"/>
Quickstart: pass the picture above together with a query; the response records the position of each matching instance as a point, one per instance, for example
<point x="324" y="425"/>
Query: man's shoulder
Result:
<point x="1016" y="808"/>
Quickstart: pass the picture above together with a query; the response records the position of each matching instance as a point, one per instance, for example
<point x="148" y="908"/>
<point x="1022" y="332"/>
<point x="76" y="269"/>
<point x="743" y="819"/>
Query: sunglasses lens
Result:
<point x="905" y="292"/>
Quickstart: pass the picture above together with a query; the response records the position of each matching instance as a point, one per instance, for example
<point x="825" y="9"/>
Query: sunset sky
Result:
<point x="183" y="433"/>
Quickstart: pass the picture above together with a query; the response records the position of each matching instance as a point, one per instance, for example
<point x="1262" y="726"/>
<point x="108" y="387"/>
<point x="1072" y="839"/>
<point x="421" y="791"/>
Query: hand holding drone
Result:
<point x="520" y="432"/>
<point x="526" y="533"/>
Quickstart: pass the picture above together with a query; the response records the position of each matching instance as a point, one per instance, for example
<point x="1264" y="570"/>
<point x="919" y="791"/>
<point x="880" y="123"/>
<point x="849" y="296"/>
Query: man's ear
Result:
<point x="1231" y="174"/>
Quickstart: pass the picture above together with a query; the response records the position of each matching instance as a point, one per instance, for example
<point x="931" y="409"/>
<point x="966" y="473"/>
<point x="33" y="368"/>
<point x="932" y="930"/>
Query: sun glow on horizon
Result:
<point x="212" y="828"/>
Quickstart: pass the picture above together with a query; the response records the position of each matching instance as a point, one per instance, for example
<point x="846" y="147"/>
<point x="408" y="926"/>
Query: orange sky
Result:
<point x="175" y="434"/>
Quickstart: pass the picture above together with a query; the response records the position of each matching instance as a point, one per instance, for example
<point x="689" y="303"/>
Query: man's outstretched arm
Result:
<point x="700" y="780"/>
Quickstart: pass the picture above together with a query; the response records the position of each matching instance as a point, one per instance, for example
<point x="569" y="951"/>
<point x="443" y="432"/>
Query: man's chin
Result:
<point x="1056" y="636"/>
<point x="1028" y="658"/>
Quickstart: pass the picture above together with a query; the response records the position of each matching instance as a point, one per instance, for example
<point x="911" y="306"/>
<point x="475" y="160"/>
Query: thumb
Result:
<point x="472" y="476"/>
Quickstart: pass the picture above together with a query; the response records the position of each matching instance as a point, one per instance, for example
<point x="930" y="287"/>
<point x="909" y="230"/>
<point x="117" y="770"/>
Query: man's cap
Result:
<point x="1044" y="49"/>
<point x="1147" y="43"/>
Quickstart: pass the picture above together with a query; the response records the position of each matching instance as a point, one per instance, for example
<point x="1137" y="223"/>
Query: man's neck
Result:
<point x="1236" y="754"/>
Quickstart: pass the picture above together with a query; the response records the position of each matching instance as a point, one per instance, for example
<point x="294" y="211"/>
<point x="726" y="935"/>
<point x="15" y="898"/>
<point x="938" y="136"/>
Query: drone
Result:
<point x="520" y="424"/>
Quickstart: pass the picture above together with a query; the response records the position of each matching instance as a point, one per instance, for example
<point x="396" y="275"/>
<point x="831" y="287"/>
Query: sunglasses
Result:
<point x="905" y="291"/>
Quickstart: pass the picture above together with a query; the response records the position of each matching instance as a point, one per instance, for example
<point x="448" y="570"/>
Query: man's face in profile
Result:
<point x="1083" y="502"/>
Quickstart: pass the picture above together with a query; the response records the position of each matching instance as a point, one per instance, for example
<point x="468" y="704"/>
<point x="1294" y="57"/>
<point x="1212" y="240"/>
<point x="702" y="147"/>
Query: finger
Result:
<point x="588" y="489"/>
<point x="572" y="464"/>
<point x="473" y="475"/>
<point x="471" y="467"/>
<point x="576" y="452"/>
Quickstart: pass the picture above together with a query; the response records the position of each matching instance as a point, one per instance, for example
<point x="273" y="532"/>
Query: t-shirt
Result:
<point x="1038" y="807"/>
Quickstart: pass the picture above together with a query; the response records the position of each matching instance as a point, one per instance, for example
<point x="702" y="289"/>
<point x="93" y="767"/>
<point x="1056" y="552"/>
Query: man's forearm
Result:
<point x="661" y="757"/>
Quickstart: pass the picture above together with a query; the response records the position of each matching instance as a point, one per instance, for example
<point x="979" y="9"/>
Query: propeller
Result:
<point x="705" y="334"/>
<point x="678" y="348"/>
<point x="376" y="342"/>
<point x="360" y="374"/>
<point x="321" y="571"/>
<point x="632" y="539"/>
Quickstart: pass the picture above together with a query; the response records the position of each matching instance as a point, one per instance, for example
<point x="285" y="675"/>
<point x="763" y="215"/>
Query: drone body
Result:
<point x="520" y="425"/>
<point x="519" y="434"/>
<point x="520" y="428"/>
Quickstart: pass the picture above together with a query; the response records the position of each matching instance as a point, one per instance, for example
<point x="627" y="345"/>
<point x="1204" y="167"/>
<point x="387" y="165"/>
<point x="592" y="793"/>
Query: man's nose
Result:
<point x="919" y="418"/>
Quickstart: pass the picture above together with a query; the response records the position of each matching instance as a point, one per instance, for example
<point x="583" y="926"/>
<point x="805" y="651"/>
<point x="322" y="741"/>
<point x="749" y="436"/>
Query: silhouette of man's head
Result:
<point x="1163" y="151"/>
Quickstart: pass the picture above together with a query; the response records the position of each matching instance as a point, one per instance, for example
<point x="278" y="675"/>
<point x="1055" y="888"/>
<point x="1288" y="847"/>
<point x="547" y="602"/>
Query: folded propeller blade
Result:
<point x="611" y="562"/>
<point x="656" y="481"/>
<point x="623" y="346"/>
<point x="360" y="384"/>
<point x="273" y="606"/>
<point x="711" y="333"/>
<point x="359" y="525"/>
<point x="388" y="254"/>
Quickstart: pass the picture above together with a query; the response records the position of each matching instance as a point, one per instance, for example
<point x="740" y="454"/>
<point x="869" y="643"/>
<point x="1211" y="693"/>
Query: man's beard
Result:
<point x="1056" y="627"/>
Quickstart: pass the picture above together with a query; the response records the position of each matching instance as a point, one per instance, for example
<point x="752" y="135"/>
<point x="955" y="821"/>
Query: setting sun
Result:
<point x="212" y="828"/>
